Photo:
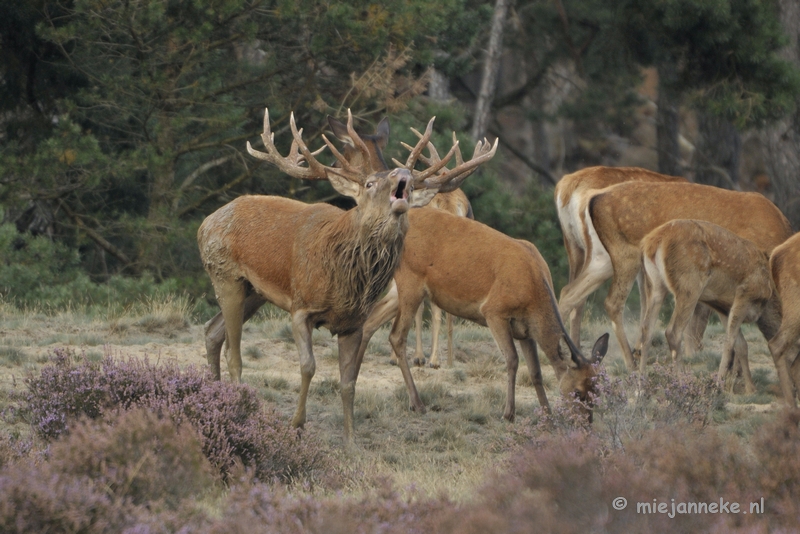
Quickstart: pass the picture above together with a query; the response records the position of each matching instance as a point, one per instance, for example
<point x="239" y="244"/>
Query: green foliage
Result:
<point x="723" y="53"/>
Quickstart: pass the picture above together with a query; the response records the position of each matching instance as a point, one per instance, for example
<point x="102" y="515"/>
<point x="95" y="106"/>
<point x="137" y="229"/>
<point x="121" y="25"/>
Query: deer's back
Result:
<point x="465" y="264"/>
<point x="253" y="237"/>
<point x="623" y="214"/>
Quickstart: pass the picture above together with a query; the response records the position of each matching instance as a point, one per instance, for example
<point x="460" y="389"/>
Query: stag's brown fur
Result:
<point x="784" y="265"/>
<point x="325" y="266"/>
<point x="699" y="261"/>
<point x="620" y="216"/>
<point x="572" y="195"/>
<point x="473" y="271"/>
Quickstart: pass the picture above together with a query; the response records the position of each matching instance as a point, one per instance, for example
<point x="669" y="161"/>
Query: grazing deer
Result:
<point x="784" y="265"/>
<point x="473" y="271"/>
<point x="698" y="261"/>
<point x="620" y="216"/>
<point x="325" y="266"/>
<point x="572" y="195"/>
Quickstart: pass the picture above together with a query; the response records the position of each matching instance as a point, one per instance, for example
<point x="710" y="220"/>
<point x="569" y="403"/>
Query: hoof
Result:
<point x="433" y="365"/>
<point x="418" y="362"/>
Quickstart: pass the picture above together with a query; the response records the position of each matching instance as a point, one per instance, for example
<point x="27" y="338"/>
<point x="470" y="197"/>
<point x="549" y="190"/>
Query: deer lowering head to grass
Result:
<point x="327" y="267"/>
<point x="698" y="261"/>
<point x="473" y="271"/>
<point x="620" y="216"/>
<point x="784" y="265"/>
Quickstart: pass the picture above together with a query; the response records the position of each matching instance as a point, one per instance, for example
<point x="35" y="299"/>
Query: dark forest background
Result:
<point x="123" y="122"/>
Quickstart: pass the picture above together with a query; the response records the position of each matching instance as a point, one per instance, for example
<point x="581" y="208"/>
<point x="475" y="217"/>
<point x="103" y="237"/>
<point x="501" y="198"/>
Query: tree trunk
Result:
<point x="668" y="123"/>
<point x="491" y="67"/>
<point x="781" y="140"/>
<point x="717" y="156"/>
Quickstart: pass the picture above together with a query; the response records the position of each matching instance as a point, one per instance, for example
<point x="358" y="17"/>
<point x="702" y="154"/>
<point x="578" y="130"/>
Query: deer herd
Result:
<point x="412" y="237"/>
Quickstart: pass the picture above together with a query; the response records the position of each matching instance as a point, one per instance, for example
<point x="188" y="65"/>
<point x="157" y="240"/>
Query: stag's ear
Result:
<point x="346" y="187"/>
<point x="600" y="348"/>
<point x="382" y="133"/>
<point x="339" y="129"/>
<point x="421" y="197"/>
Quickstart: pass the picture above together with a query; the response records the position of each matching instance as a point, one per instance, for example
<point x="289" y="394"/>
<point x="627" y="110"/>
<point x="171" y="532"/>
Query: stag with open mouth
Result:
<point x="325" y="266"/>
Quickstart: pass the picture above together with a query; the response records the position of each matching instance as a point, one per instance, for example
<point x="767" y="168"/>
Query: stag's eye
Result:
<point x="370" y="185"/>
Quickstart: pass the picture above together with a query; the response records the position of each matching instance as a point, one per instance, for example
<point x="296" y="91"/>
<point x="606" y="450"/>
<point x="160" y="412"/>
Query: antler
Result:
<point x="299" y="153"/>
<point x="437" y="175"/>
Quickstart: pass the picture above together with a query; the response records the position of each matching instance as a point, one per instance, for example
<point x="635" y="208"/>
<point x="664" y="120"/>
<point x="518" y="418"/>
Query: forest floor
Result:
<point x="449" y="450"/>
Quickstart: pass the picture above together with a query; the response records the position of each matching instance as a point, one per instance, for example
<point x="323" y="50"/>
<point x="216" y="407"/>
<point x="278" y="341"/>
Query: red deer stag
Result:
<point x="572" y="195"/>
<point x="620" y="216"/>
<point x="784" y="265"/>
<point x="325" y="266"/>
<point x="699" y="261"/>
<point x="473" y="271"/>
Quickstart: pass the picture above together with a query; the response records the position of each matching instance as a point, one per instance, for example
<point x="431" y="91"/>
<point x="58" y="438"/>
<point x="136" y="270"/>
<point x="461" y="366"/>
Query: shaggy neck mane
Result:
<point x="363" y="254"/>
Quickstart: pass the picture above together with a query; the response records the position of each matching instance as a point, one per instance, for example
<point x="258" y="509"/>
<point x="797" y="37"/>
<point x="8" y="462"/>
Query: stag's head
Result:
<point x="361" y="172"/>
<point x="578" y="381"/>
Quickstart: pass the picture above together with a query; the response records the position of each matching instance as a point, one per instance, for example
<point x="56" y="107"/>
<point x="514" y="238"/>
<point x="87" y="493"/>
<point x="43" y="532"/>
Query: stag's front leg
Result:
<point x="502" y="336"/>
<point x="350" y="358"/>
<point x="301" y="330"/>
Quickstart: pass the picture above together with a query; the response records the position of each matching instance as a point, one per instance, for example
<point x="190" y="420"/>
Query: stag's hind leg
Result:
<point x="215" y="331"/>
<point x="231" y="298"/>
<point x="301" y="329"/>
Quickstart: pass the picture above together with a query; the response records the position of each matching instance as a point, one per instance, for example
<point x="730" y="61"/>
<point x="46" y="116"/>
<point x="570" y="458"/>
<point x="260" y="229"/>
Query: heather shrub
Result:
<point x="136" y="457"/>
<point x="625" y="408"/>
<point x="261" y="508"/>
<point x="134" y="472"/>
<point x="229" y="419"/>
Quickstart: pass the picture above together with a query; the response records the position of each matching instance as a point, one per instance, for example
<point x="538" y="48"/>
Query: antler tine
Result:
<point x="417" y="150"/>
<point x="298" y="140"/>
<point x="433" y="169"/>
<point x="362" y="146"/>
<point x="338" y="155"/>
<point x="452" y="178"/>
<point x="298" y="152"/>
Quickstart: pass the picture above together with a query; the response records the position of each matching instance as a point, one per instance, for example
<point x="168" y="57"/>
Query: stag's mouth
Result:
<point x="399" y="198"/>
